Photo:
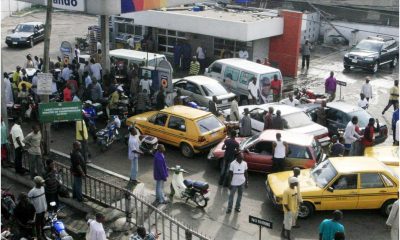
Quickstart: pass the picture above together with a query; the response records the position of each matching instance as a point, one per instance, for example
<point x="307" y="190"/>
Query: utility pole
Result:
<point x="105" y="43"/>
<point x="46" y="63"/>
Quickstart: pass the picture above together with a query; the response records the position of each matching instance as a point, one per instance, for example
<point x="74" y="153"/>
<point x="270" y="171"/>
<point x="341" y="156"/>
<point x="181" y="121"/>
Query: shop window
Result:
<point x="167" y="40"/>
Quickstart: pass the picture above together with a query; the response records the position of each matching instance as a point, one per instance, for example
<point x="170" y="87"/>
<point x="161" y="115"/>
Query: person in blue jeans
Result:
<point x="329" y="228"/>
<point x="133" y="154"/>
<point x="78" y="170"/>
<point x="238" y="180"/>
<point x="160" y="173"/>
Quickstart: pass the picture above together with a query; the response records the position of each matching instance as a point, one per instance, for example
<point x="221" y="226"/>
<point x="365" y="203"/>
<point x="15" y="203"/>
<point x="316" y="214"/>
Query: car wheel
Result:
<point x="187" y="150"/>
<point x="393" y="64"/>
<point x="387" y="207"/>
<point x="347" y="67"/>
<point x="31" y="43"/>
<point x="306" y="209"/>
<point x="375" y="67"/>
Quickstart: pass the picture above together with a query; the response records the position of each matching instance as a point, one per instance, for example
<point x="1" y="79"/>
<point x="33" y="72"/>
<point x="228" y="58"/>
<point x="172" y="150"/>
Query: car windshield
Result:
<point x="323" y="173"/>
<point x="209" y="123"/>
<point x="296" y="120"/>
<point x="363" y="117"/>
<point x="367" y="45"/>
<point x="24" y="28"/>
<point x="271" y="75"/>
<point x="214" y="89"/>
<point x="248" y="141"/>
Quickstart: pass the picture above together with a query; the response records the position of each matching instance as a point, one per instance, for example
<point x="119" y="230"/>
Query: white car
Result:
<point x="297" y="121"/>
<point x="201" y="89"/>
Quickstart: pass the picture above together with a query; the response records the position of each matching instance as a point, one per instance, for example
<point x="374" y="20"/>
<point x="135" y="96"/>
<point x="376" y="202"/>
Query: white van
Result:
<point x="235" y="73"/>
<point x="138" y="57"/>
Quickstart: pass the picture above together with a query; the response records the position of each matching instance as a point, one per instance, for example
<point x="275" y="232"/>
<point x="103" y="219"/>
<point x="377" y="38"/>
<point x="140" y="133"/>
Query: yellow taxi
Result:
<point x="386" y="154"/>
<point x="340" y="183"/>
<point x="190" y="129"/>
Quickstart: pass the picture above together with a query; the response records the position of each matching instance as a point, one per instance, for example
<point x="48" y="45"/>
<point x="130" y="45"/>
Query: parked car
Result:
<point x="27" y="33"/>
<point x="297" y="121"/>
<point x="371" y="53"/>
<point x="201" y="89"/>
<point x="339" y="114"/>
<point x="190" y="129"/>
<point x="344" y="183"/>
<point x="389" y="155"/>
<point x="304" y="151"/>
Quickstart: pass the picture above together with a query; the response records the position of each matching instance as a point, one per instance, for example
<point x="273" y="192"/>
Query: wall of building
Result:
<point x="365" y="30"/>
<point x="310" y="27"/>
<point x="284" y="49"/>
<point x="10" y="6"/>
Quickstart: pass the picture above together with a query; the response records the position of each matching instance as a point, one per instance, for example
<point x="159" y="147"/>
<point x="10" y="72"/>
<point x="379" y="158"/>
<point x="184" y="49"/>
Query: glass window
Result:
<point x="214" y="89"/>
<point x="216" y="67"/>
<point x="296" y="120"/>
<point x="208" y="123"/>
<point x="245" y="77"/>
<point x="257" y="114"/>
<point x="346" y="182"/>
<point x="192" y="88"/>
<point x="249" y="141"/>
<point x="231" y="73"/>
<point x="138" y="30"/>
<point x="263" y="148"/>
<point x="371" y="180"/>
<point x="323" y="173"/>
<point x="387" y="181"/>
<point x="177" y="123"/>
<point x="161" y="119"/>
<point x="130" y="29"/>
<point x="298" y="152"/>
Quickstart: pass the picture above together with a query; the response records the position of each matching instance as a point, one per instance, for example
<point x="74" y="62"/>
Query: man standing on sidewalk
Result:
<point x="366" y="89"/>
<point x="17" y="137"/>
<point x="38" y="199"/>
<point x="290" y="207"/>
<point x="133" y="154"/>
<point x="34" y="143"/>
<point x="238" y="179"/>
<point x="160" y="173"/>
<point x="82" y="136"/>
<point x="394" y="96"/>
<point x="330" y="87"/>
<point x="78" y="170"/>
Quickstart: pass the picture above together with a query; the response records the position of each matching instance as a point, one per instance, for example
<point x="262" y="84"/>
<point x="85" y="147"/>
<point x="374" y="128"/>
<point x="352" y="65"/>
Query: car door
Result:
<point x="259" y="156"/>
<point x="215" y="71"/>
<point x="257" y="120"/>
<point x="373" y="191"/>
<point x="385" y="53"/>
<point x="156" y="127"/>
<point x="36" y="33"/>
<point x="41" y="31"/>
<point x="196" y="94"/>
<point x="342" y="193"/>
<point x="176" y="130"/>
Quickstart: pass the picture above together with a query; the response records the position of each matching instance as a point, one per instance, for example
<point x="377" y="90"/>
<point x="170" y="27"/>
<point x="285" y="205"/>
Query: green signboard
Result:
<point x="60" y="112"/>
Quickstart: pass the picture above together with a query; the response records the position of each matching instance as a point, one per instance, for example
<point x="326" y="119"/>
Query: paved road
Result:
<point x="213" y="221"/>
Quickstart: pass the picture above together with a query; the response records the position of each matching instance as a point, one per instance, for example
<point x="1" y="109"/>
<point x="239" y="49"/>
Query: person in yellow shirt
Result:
<point x="28" y="85"/>
<point x="113" y="104"/>
<point x="290" y="203"/>
<point x="394" y="96"/>
<point x="81" y="135"/>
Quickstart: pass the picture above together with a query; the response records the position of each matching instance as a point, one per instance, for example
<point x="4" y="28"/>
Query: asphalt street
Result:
<point x="213" y="221"/>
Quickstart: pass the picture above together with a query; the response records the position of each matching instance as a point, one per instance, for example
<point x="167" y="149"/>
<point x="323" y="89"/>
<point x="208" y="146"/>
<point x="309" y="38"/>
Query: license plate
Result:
<point x="14" y="42"/>
<point x="354" y="60"/>
<point x="224" y="101"/>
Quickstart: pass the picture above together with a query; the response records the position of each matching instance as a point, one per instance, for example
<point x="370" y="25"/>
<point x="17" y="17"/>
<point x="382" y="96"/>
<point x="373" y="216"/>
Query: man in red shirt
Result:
<point x="67" y="93"/>
<point x="276" y="88"/>
<point x="369" y="131"/>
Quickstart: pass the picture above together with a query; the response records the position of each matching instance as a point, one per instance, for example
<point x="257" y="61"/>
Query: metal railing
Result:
<point x="144" y="213"/>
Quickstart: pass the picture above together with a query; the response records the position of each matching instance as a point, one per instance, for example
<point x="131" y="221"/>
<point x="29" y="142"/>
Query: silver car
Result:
<point x="201" y="89"/>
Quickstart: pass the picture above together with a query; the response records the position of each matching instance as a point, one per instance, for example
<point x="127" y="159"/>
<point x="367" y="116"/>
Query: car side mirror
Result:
<point x="330" y="189"/>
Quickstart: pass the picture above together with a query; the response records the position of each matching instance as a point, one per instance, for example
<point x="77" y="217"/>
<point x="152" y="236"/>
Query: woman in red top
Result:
<point x="67" y="93"/>
<point x="369" y="131"/>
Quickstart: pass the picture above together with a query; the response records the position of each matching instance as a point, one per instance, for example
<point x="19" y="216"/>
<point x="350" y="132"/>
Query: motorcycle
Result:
<point x="148" y="144"/>
<point x="308" y="96"/>
<point x="188" y="189"/>
<point x="109" y="134"/>
<point x="54" y="229"/>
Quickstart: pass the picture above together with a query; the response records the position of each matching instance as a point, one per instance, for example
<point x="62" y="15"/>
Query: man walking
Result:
<point x="160" y="173"/>
<point x="234" y="114"/>
<point x="231" y="147"/>
<point x="366" y="89"/>
<point x="290" y="207"/>
<point x="330" y="227"/>
<point x="17" y="137"/>
<point x="96" y="229"/>
<point x="351" y="136"/>
<point x="245" y="124"/>
<point x="305" y="53"/>
<point x="78" y="170"/>
<point x="194" y="67"/>
<point x="33" y="142"/>
<point x="268" y="118"/>
<point x="394" y="96"/>
<point x="393" y="221"/>
<point x="330" y="87"/>
<point x="280" y="149"/>
<point x="133" y="154"/>
<point x="81" y="135"/>
<point x="296" y="174"/>
<point x="238" y="179"/>
<point x="38" y="200"/>
<point x="252" y="88"/>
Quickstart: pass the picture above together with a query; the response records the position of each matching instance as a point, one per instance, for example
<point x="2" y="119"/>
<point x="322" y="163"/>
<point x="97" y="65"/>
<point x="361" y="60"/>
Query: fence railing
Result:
<point x="144" y="213"/>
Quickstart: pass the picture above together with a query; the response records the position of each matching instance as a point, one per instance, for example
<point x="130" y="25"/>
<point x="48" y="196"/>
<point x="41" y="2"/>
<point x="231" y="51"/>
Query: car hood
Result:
<point x="389" y="155"/>
<point x="278" y="182"/>
<point x="361" y="53"/>
<point x="140" y="118"/>
<point x="312" y="129"/>
<point x="20" y="34"/>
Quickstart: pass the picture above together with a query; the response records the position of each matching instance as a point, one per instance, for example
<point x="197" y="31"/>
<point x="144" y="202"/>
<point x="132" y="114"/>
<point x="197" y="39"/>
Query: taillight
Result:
<point x="202" y="139"/>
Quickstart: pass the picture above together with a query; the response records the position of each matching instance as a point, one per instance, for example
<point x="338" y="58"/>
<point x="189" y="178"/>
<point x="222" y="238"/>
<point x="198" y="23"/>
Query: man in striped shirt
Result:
<point x="194" y="67"/>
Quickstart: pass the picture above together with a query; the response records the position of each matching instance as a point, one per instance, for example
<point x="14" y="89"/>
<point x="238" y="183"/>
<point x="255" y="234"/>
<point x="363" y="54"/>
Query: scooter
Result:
<point x="109" y="134"/>
<point x="188" y="189"/>
<point x="54" y="228"/>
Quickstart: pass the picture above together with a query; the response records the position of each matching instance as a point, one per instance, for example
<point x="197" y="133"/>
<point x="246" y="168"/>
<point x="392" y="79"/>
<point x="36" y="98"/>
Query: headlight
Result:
<point x="369" y="59"/>
<point x="23" y="39"/>
<point x="346" y="55"/>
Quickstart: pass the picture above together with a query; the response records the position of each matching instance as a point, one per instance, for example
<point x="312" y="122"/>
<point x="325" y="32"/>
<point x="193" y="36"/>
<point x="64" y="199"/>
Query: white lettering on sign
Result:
<point x="44" y="85"/>
<point x="74" y="5"/>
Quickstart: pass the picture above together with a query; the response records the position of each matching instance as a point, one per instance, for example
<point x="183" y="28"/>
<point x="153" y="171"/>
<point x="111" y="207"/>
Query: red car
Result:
<point x="304" y="151"/>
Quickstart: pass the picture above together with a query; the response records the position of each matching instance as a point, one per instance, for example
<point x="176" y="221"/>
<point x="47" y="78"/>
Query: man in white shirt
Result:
<point x="96" y="229"/>
<point x="133" y="154"/>
<point x="291" y="101"/>
<point x="66" y="72"/>
<point x="95" y="68"/>
<point x="35" y="82"/>
<point x="38" y="199"/>
<point x="87" y="79"/>
<point x="17" y="137"/>
<point x="243" y="54"/>
<point x="252" y="88"/>
<point x="201" y="57"/>
<point x="131" y="42"/>
<point x="146" y="83"/>
<point x="366" y="89"/>
<point x="362" y="103"/>
<point x="351" y="136"/>
<point x="77" y="53"/>
<point x="8" y="89"/>
<point x="280" y="149"/>
<point x="239" y="179"/>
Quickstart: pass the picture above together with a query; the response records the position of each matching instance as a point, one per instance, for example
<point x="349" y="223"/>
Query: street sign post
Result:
<point x="341" y="83"/>
<point x="44" y="84"/>
<point x="260" y="222"/>
<point x="60" y="112"/>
